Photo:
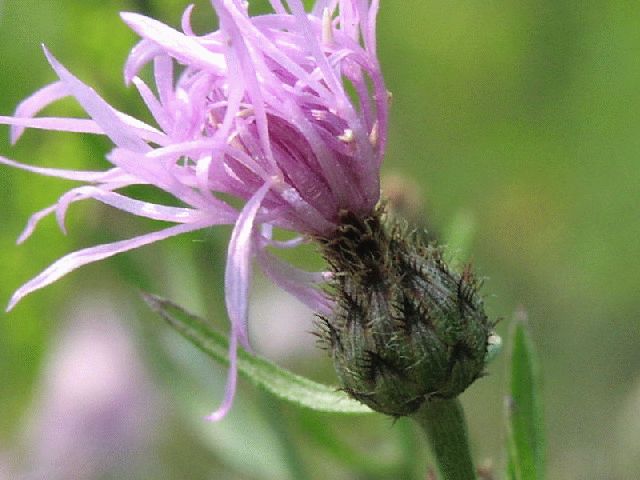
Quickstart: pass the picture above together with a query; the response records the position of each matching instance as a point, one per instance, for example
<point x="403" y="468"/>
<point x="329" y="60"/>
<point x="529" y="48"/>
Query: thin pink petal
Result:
<point x="140" y="55"/>
<point x="237" y="273"/>
<point x="114" y="174"/>
<point x="79" y="258"/>
<point x="153" y="104"/>
<point x="144" y="131"/>
<point x="300" y="284"/>
<point x="163" y="73"/>
<point x="232" y="380"/>
<point x="84" y="125"/>
<point x="237" y="282"/>
<point x="158" y="212"/>
<point x="278" y="7"/>
<point x="315" y="48"/>
<point x="267" y="239"/>
<point x="33" y="221"/>
<point x="99" y="110"/>
<point x="238" y="52"/>
<point x="186" y="20"/>
<point x="75" y="195"/>
<point x="184" y="48"/>
<point x="36" y="102"/>
<point x="319" y="7"/>
<point x="61" y="124"/>
<point x="153" y="172"/>
<point x="274" y="52"/>
<point x="370" y="29"/>
<point x="133" y="206"/>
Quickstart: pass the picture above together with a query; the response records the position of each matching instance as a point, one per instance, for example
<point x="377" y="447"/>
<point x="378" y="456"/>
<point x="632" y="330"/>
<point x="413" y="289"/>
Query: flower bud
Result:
<point x="405" y="328"/>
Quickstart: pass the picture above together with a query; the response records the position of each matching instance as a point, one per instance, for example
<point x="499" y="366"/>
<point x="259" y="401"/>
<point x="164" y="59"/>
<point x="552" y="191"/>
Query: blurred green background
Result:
<point x="523" y="116"/>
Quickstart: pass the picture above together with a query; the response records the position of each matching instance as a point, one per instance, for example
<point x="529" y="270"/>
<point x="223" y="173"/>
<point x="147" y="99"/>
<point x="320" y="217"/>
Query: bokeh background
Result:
<point x="521" y="118"/>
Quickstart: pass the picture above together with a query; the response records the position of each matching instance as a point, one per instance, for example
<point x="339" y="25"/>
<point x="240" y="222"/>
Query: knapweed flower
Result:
<point x="286" y="111"/>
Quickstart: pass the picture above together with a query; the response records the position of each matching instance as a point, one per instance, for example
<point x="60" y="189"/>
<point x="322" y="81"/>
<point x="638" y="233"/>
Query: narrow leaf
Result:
<point x="278" y="381"/>
<point x="524" y="413"/>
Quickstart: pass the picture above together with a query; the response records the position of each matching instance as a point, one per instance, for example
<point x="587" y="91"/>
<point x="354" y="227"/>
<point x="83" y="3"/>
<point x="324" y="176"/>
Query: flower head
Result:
<point x="405" y="328"/>
<point x="286" y="111"/>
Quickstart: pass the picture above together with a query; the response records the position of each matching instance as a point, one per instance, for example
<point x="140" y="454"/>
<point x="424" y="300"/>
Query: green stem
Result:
<point x="443" y="422"/>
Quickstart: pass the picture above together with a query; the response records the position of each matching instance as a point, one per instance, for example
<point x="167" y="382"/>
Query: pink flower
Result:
<point x="286" y="111"/>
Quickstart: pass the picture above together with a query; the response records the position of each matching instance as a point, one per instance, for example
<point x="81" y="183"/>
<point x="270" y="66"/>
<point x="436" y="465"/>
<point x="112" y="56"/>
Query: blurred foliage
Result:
<point x="523" y="115"/>
<point x="525" y="431"/>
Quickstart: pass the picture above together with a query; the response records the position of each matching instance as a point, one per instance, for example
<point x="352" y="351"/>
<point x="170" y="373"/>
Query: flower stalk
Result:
<point x="444" y="424"/>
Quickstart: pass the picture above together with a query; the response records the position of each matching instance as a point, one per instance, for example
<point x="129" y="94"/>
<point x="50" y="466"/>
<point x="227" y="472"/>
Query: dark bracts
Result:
<point x="405" y="328"/>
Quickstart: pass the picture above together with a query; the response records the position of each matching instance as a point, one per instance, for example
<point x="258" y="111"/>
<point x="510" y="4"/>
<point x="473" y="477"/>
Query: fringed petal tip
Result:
<point x="49" y="56"/>
<point x="129" y="17"/>
<point x="232" y="381"/>
<point x="105" y="116"/>
<point x="186" y="20"/>
<point x="29" y="107"/>
<point x="218" y="414"/>
<point x="79" y="258"/>
<point x="12" y="302"/>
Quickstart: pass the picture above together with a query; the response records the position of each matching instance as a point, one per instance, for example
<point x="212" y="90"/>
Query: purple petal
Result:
<point x="153" y="104"/>
<point x="61" y="206"/>
<point x="36" y="102"/>
<point x="148" y="170"/>
<point x="99" y="110"/>
<point x="186" y="20"/>
<point x="33" y="222"/>
<point x="237" y="275"/>
<point x="133" y="206"/>
<point x="300" y="284"/>
<point x="141" y="129"/>
<point x="114" y="174"/>
<point x="369" y="28"/>
<point x="267" y="238"/>
<point x="184" y="48"/>
<point x="308" y="214"/>
<point x="238" y="53"/>
<point x="139" y="56"/>
<point x="312" y="43"/>
<point x="232" y="380"/>
<point x="278" y="7"/>
<point x="163" y="73"/>
<point x="320" y="6"/>
<point x="75" y="125"/>
<point x="79" y="258"/>
<point x="83" y="125"/>
<point x="273" y="51"/>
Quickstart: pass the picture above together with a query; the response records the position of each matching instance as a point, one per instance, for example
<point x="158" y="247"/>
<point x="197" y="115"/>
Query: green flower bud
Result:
<point x="405" y="327"/>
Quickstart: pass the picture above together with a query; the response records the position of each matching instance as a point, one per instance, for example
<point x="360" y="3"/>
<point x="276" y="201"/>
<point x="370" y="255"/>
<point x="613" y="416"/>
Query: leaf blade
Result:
<point x="265" y="374"/>
<point x="524" y="413"/>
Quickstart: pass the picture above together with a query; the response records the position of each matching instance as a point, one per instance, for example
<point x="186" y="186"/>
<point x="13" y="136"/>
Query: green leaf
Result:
<point x="524" y="413"/>
<point x="278" y="381"/>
